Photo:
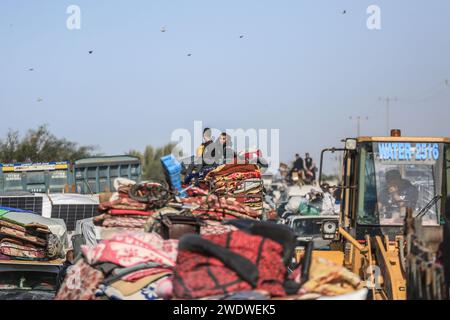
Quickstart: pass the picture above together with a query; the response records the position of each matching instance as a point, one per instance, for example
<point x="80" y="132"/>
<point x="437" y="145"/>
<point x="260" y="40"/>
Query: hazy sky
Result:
<point x="302" y="67"/>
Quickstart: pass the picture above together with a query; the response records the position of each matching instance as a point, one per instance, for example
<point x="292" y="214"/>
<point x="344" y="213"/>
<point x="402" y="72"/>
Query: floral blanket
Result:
<point x="132" y="248"/>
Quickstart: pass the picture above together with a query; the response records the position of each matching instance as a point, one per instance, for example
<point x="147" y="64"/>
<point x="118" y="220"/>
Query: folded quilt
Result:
<point x="238" y="176"/>
<point x="227" y="169"/>
<point x="220" y="208"/>
<point x="34" y="229"/>
<point x="150" y="291"/>
<point x="132" y="248"/>
<point x="122" y="212"/>
<point x="127" y="288"/>
<point x="124" y="222"/>
<point x="215" y="227"/>
<point x="122" y="203"/>
<point x="18" y="250"/>
<point x="238" y="186"/>
<point x="6" y="232"/>
<point x="130" y="221"/>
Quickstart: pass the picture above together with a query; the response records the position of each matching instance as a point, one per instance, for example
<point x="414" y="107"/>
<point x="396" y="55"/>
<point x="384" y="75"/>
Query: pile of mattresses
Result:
<point x="208" y="211"/>
<point x="24" y="236"/>
<point x="212" y="207"/>
<point x="249" y="262"/>
<point x="121" y="212"/>
<point x="242" y="182"/>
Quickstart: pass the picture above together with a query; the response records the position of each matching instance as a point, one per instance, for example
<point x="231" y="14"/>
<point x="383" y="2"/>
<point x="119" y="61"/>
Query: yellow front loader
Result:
<point x="381" y="180"/>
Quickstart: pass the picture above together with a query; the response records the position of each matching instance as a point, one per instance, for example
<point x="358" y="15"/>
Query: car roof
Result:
<point x="295" y="217"/>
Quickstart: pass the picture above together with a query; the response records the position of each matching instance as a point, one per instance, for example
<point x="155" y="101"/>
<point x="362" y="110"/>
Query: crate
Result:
<point x="172" y="168"/>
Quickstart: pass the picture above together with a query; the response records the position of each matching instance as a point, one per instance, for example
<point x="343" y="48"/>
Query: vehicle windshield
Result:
<point x="307" y="227"/>
<point x="397" y="176"/>
<point x="19" y="280"/>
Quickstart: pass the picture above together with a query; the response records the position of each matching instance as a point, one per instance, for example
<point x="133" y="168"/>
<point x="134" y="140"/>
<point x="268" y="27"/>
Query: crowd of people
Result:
<point x="303" y="171"/>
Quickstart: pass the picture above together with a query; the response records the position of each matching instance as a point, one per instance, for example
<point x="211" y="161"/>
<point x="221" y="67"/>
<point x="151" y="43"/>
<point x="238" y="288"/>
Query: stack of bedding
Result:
<point x="129" y="266"/>
<point x="122" y="212"/>
<point x="32" y="241"/>
<point x="243" y="182"/>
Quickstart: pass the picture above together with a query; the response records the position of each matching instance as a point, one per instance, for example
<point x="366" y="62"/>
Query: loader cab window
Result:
<point x="447" y="185"/>
<point x="397" y="176"/>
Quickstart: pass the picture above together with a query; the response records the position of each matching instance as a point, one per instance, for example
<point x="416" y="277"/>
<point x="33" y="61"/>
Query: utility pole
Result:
<point x="358" y="123"/>
<point x="388" y="101"/>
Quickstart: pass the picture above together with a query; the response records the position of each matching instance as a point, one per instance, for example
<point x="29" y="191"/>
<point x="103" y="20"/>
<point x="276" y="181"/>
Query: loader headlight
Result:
<point x="350" y="144"/>
<point x="329" y="229"/>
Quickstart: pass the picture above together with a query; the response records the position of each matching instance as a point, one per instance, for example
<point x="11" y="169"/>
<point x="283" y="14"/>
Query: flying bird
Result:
<point x="90" y="51"/>
<point x="31" y="69"/>
<point x="163" y="29"/>
<point x="241" y="36"/>
<point x="189" y="54"/>
<point x="344" y="12"/>
<point x="39" y="100"/>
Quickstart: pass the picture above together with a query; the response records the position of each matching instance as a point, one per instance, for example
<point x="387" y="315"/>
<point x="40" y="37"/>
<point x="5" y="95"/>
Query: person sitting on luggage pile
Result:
<point x="310" y="167"/>
<point x="207" y="140"/>
<point x="220" y="152"/>
<point x="197" y="161"/>
<point x="298" y="167"/>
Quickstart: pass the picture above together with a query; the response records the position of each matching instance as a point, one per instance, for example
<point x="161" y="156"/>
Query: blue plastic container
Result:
<point x="173" y="173"/>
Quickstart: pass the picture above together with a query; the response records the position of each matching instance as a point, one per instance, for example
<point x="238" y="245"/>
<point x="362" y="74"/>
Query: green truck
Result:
<point x="83" y="176"/>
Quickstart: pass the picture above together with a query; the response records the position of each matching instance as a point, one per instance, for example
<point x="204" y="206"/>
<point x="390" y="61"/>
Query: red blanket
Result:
<point x="123" y="212"/>
<point x="200" y="275"/>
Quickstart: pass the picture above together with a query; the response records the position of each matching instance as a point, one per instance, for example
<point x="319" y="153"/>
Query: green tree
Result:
<point x="40" y="145"/>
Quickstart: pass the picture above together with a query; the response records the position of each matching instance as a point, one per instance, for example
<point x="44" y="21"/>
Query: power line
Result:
<point x="387" y="101"/>
<point x="434" y="92"/>
<point x="358" y="123"/>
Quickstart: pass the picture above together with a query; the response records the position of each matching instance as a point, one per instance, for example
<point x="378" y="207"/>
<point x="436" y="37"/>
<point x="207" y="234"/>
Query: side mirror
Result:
<point x="331" y="164"/>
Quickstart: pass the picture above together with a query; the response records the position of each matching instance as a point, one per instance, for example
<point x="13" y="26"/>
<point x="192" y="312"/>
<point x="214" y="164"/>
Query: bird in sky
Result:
<point x="163" y="29"/>
<point x="39" y="99"/>
<point x="241" y="36"/>
<point x="344" y="12"/>
<point x="189" y="54"/>
<point x="90" y="51"/>
<point x="31" y="69"/>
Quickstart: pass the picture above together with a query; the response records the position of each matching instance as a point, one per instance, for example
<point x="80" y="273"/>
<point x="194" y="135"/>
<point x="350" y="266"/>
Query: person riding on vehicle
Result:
<point x="207" y="140"/>
<point x="281" y="174"/>
<point x="220" y="152"/>
<point x="298" y="168"/>
<point x="310" y="168"/>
